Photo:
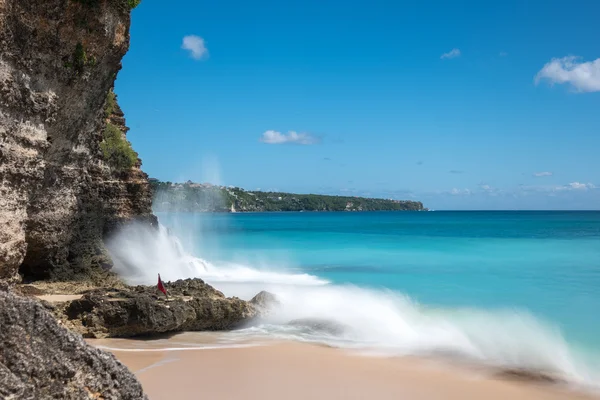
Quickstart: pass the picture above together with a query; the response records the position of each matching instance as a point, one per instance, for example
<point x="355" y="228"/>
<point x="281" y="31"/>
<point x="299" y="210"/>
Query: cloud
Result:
<point x="582" y="76"/>
<point x="455" y="171"/>
<point x="541" y="174"/>
<point x="459" y="192"/>
<point x="503" y="54"/>
<point x="569" y="187"/>
<point x="196" y="46"/>
<point x="451" y="54"/>
<point x="579" y="186"/>
<point x="274" y="137"/>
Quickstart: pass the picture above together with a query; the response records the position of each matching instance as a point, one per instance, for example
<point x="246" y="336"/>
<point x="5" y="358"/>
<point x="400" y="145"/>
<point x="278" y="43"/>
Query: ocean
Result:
<point x="505" y="289"/>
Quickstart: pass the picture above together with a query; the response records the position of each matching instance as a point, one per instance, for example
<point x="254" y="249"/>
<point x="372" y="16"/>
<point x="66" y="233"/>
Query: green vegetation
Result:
<point x="194" y="197"/>
<point x="133" y="3"/>
<point x="79" y="57"/>
<point x="111" y="102"/>
<point x="117" y="150"/>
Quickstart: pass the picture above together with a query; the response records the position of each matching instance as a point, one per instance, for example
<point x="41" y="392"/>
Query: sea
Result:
<point x="507" y="289"/>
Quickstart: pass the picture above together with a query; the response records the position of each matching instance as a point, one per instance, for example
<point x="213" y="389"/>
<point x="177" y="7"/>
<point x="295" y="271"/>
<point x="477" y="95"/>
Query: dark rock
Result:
<point x="529" y="375"/>
<point x="41" y="360"/>
<point x="192" y="306"/>
<point x="320" y="325"/>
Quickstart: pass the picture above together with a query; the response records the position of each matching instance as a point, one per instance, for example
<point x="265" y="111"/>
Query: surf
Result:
<point x="381" y="322"/>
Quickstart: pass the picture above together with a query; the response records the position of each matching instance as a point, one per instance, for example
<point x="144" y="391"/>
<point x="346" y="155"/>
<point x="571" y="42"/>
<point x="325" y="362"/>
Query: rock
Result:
<point x="528" y="375"/>
<point x="59" y="198"/>
<point x="320" y="325"/>
<point x="41" y="360"/>
<point x="264" y="301"/>
<point x="192" y="306"/>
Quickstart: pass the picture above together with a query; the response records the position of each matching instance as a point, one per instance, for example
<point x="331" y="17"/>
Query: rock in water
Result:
<point x="133" y="311"/>
<point x="264" y="301"/>
<point x="41" y="360"/>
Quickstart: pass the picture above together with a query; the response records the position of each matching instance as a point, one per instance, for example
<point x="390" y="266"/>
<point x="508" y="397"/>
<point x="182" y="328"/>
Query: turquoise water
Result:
<point x="544" y="262"/>
<point x="506" y="289"/>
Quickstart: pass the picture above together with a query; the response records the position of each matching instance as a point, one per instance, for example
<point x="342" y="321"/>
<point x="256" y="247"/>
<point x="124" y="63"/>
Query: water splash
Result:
<point x="382" y="321"/>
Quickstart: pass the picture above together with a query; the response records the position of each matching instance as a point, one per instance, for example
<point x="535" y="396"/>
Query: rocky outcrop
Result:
<point x="59" y="198"/>
<point x="132" y="311"/>
<point x="41" y="360"/>
<point x="264" y="302"/>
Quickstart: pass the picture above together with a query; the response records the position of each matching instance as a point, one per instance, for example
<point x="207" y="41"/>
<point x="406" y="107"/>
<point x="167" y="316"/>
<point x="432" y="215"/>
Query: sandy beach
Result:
<point x="288" y="370"/>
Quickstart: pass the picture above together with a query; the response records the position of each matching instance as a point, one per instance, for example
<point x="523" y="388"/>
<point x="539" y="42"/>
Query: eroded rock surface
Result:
<point x="59" y="198"/>
<point x="41" y="360"/>
<point x="141" y="310"/>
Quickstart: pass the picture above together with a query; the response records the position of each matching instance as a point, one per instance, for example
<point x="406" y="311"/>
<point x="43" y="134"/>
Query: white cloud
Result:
<point x="541" y="174"/>
<point x="579" y="186"/>
<point x="569" y="187"/>
<point x="196" y="46"/>
<point x="451" y="54"/>
<point x="582" y="76"/>
<point x="459" y="192"/>
<point x="274" y="137"/>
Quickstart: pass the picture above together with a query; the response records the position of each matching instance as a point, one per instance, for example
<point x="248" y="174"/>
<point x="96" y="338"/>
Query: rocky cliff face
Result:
<point x="59" y="197"/>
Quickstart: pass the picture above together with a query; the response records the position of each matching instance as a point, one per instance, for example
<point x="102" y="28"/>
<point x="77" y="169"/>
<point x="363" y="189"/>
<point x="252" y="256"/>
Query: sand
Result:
<point x="294" y="371"/>
<point x="59" y="298"/>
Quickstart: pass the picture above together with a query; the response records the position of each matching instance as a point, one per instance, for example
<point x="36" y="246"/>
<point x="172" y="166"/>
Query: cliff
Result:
<point x="62" y="191"/>
<point x="194" y="197"/>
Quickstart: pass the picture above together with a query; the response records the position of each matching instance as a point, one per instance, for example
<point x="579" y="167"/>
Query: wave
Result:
<point x="140" y="254"/>
<point x="380" y="321"/>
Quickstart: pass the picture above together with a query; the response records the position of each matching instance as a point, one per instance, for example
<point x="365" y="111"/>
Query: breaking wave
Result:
<point x="379" y="321"/>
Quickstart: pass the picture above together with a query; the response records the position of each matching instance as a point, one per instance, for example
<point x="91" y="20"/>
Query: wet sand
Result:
<point x="296" y="371"/>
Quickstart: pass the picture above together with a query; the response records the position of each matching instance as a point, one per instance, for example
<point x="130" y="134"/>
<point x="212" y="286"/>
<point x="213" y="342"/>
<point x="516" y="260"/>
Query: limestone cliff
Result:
<point x="59" y="195"/>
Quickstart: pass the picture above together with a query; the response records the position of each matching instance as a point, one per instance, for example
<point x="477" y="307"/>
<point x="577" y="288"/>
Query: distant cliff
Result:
<point x="196" y="197"/>
<point x="68" y="175"/>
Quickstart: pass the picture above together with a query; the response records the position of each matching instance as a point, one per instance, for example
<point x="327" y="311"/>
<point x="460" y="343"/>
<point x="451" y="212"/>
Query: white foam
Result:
<point x="383" y="321"/>
<point x="141" y="253"/>
<point x="191" y="348"/>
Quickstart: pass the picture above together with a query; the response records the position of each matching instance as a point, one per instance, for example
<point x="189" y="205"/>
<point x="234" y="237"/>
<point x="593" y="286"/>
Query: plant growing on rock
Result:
<point x="79" y="57"/>
<point x="133" y="3"/>
<point x="116" y="150"/>
<point x="111" y="101"/>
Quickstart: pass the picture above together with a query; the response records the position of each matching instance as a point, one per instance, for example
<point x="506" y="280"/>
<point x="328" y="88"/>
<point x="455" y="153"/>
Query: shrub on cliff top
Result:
<point x="117" y="150"/>
<point x="133" y="3"/>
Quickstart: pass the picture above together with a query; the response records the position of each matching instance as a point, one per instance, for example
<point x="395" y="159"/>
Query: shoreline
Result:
<point x="175" y="368"/>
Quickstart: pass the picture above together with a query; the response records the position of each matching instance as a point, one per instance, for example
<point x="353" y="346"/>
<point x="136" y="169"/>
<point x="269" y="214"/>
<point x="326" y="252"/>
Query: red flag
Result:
<point x="161" y="287"/>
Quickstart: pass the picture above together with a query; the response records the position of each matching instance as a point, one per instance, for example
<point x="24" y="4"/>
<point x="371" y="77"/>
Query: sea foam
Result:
<point x="380" y="321"/>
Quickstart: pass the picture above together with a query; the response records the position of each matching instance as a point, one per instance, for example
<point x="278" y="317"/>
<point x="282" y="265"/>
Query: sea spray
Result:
<point x="140" y="253"/>
<point x="377" y="320"/>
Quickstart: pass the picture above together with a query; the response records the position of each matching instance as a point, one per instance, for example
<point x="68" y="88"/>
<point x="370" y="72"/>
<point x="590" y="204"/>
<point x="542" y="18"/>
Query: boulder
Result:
<point x="134" y="311"/>
<point x="40" y="360"/>
<point x="264" y="301"/>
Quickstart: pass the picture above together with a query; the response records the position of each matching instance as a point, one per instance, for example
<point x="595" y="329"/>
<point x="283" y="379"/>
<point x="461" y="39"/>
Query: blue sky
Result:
<point x="463" y="105"/>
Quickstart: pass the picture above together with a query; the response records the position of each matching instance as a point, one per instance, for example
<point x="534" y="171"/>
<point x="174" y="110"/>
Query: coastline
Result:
<point x="174" y="368"/>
